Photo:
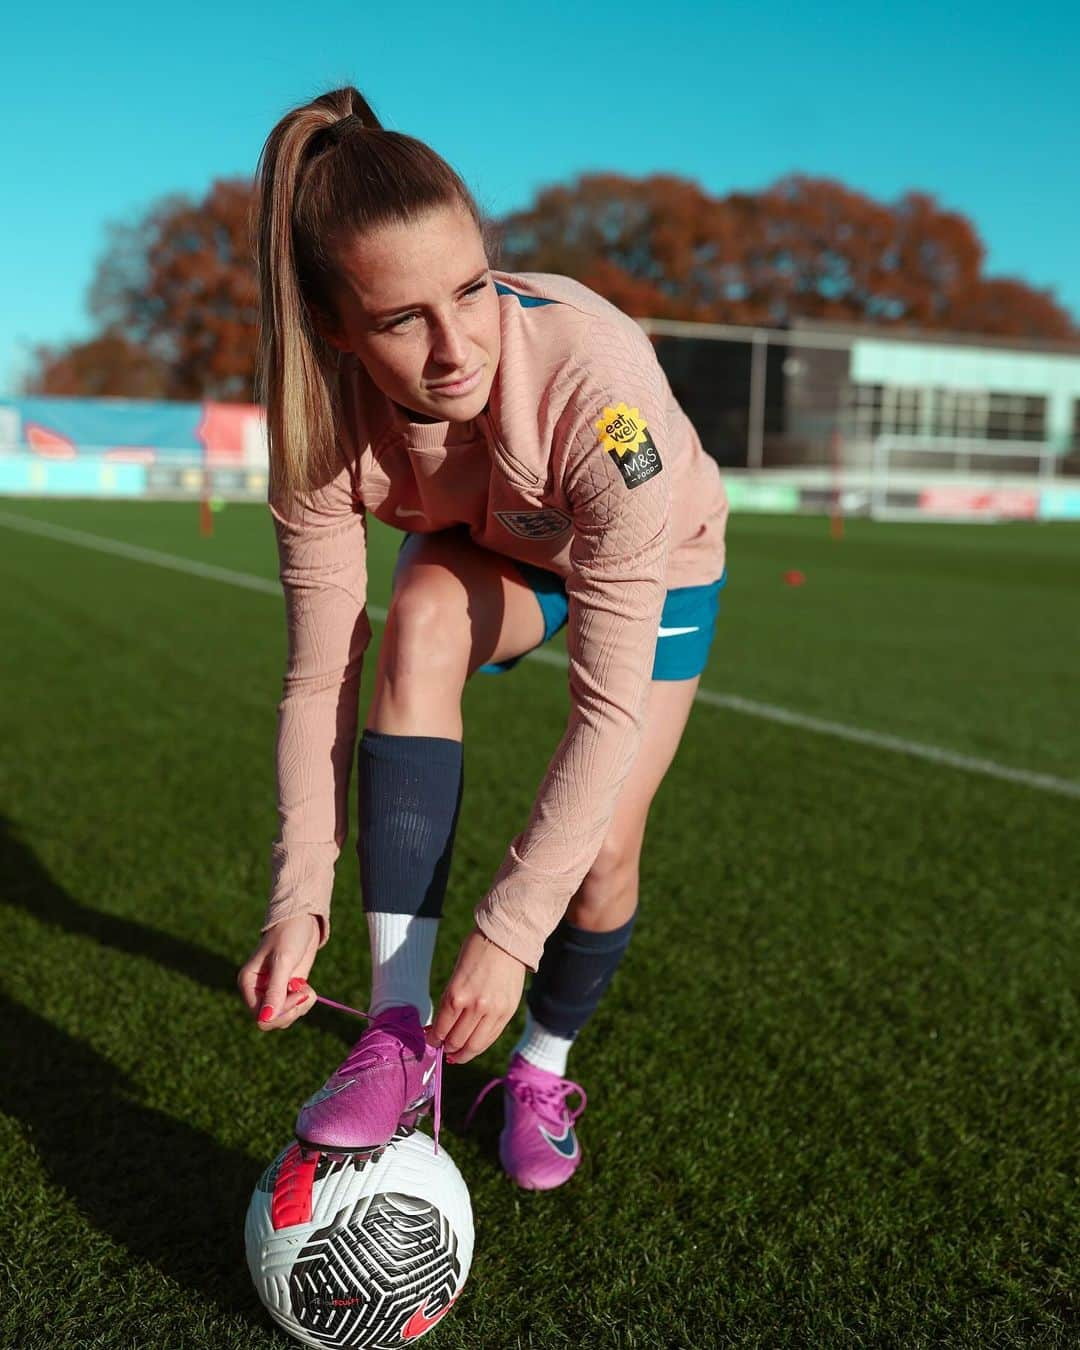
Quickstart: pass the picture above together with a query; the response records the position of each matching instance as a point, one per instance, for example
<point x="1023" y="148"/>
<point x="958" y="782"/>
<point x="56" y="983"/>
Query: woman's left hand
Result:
<point x="482" y="996"/>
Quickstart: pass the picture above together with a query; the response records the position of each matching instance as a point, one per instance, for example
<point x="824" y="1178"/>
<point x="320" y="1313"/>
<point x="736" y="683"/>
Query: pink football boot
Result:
<point x="537" y="1146"/>
<point x="386" y="1082"/>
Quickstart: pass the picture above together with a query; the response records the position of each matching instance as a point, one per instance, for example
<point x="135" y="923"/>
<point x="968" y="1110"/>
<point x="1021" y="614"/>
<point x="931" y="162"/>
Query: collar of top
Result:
<point x="422" y="435"/>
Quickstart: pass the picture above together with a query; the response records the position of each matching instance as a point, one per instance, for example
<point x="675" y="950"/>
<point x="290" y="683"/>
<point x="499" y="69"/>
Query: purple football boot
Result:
<point x="386" y="1082"/>
<point x="537" y="1146"/>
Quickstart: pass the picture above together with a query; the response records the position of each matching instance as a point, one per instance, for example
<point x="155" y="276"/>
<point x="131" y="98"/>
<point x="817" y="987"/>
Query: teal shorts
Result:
<point x="687" y="621"/>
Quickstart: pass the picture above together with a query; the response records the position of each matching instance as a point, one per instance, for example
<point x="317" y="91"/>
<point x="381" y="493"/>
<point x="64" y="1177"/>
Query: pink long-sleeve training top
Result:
<point x="582" y="462"/>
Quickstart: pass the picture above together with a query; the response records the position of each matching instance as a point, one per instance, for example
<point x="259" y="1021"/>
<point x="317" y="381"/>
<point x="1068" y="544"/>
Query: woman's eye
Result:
<point x="406" y="319"/>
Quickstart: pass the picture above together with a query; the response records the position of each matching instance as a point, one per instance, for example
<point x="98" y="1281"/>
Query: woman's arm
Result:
<point x="619" y="497"/>
<point x="322" y="549"/>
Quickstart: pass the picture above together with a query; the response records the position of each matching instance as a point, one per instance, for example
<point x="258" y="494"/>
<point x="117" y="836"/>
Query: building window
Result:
<point x="953" y="414"/>
<point x="1016" y="417"/>
<point x="885" y="409"/>
<point x="959" y="414"/>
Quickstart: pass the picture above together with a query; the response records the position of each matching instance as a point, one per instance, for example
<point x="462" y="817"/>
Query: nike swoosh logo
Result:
<point x="565" y="1144"/>
<point x="419" y="1322"/>
<point x="406" y="511"/>
<point x="672" y="632"/>
<point x="327" y="1091"/>
<point x="430" y="1071"/>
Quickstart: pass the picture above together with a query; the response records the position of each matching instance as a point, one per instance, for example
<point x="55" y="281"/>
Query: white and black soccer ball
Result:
<point x="360" y="1251"/>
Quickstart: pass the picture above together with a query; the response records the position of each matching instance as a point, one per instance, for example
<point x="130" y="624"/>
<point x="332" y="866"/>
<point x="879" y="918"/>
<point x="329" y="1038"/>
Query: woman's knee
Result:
<point x="614" y="869"/>
<point x="472" y="600"/>
<point x="427" y="636"/>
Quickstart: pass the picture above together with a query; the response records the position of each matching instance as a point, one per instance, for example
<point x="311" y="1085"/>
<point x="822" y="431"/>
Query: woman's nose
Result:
<point x="451" y="347"/>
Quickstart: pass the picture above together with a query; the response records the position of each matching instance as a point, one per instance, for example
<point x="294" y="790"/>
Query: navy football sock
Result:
<point x="409" y="790"/>
<point x="409" y="794"/>
<point x="574" y="971"/>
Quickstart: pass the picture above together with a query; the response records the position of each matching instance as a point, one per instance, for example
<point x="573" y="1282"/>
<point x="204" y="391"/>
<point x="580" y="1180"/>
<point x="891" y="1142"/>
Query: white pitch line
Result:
<point x="881" y="741"/>
<point x="147" y="555"/>
<point x="732" y="702"/>
<point x="154" y="556"/>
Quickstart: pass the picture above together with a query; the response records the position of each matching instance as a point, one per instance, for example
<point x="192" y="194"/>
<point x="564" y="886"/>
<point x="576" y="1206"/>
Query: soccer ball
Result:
<point x="360" y="1251"/>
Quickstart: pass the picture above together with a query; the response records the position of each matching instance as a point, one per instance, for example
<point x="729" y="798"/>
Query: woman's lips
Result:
<point x="465" y="386"/>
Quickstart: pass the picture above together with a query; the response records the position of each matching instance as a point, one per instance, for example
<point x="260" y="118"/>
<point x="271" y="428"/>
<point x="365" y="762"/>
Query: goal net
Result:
<point x="932" y="478"/>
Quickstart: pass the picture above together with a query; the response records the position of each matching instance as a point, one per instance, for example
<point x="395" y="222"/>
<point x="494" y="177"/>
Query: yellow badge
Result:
<point x="622" y="429"/>
<point x="623" y="433"/>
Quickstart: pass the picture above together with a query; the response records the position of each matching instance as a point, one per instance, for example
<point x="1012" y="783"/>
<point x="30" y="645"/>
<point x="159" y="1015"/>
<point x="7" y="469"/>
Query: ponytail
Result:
<point x="328" y="171"/>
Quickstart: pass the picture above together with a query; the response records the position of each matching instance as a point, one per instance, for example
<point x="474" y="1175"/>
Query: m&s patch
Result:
<point x="623" y="433"/>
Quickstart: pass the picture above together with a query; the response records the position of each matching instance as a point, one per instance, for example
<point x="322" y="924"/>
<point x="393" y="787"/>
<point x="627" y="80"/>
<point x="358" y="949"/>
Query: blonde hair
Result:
<point x="327" y="171"/>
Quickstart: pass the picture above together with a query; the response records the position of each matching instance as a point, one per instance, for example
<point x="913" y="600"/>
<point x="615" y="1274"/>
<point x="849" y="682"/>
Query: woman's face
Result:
<point x="418" y="307"/>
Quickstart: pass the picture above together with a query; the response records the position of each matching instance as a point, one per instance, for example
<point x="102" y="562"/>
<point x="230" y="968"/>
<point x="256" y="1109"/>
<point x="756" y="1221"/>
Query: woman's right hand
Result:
<point x="275" y="975"/>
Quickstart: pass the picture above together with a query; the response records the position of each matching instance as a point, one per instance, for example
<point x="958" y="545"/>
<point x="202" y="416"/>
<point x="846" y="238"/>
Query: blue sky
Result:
<point x="104" y="109"/>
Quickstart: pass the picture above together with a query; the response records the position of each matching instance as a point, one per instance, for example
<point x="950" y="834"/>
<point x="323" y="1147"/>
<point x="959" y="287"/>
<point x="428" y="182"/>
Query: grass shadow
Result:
<point x="29" y="886"/>
<point x="168" y="1193"/>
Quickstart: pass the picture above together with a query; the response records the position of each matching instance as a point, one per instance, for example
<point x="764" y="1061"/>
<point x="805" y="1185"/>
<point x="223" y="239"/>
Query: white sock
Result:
<point x="542" y="1047"/>
<point x="402" y="946"/>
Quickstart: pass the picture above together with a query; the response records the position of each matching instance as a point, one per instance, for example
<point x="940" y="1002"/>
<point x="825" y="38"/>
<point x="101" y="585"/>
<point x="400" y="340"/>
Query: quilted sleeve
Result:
<point x="322" y="550"/>
<point x="619" y="497"/>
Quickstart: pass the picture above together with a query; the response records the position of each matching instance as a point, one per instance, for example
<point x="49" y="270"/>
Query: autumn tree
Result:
<point x="108" y="365"/>
<point x="802" y="248"/>
<point x="177" y="291"/>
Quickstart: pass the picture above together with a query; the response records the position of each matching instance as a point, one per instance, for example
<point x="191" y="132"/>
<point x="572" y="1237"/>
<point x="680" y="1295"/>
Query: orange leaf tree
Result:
<point x="176" y="294"/>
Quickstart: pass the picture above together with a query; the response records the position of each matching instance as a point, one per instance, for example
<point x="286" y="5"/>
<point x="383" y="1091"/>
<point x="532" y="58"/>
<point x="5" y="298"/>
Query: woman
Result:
<point x="521" y="430"/>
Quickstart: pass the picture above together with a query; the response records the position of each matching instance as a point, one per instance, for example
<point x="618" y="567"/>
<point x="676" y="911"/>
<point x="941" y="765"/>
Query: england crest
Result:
<point x="546" y="524"/>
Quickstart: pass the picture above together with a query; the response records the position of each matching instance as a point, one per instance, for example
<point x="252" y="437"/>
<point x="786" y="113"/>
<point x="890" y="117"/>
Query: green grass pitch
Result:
<point x="833" y="1090"/>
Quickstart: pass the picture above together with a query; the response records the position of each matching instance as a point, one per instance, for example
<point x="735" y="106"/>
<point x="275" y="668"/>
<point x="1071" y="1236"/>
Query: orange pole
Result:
<point x="206" y="516"/>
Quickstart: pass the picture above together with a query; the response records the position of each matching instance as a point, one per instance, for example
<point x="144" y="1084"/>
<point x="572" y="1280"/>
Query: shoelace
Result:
<point x="550" y="1100"/>
<point x="438" y="1060"/>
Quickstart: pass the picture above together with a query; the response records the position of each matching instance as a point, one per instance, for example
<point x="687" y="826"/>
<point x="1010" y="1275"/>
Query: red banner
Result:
<point x="1011" y="503"/>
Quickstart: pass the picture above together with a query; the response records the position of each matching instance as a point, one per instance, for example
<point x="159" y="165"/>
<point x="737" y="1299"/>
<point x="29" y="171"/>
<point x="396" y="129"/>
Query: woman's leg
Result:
<point x="582" y="954"/>
<point x="455" y="607"/>
<point x="608" y="895"/>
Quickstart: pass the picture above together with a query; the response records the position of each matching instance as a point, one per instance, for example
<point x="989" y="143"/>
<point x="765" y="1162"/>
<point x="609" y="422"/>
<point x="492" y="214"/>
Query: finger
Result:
<point x="307" y="1002"/>
<point x="459" y="1033"/>
<point x="303" y="994"/>
<point x="449" y="1026"/>
<point x="296" y="1005"/>
<point x="252" y="984"/>
<point x="276" y="992"/>
<point x="445" y="1017"/>
<point x="297" y="992"/>
<point x="262" y="984"/>
<point x="484" y="1035"/>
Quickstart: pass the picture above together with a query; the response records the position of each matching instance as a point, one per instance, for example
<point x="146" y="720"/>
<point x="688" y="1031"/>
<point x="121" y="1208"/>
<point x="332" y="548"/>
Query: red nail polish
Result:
<point x="266" y="1015"/>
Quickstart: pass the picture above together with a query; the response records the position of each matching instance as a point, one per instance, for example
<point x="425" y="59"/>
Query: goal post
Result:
<point x="936" y="478"/>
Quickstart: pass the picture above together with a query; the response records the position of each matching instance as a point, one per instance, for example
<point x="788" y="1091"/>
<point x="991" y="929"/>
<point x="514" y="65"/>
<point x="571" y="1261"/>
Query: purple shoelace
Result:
<point x="551" y="1100"/>
<point x="438" y="1060"/>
